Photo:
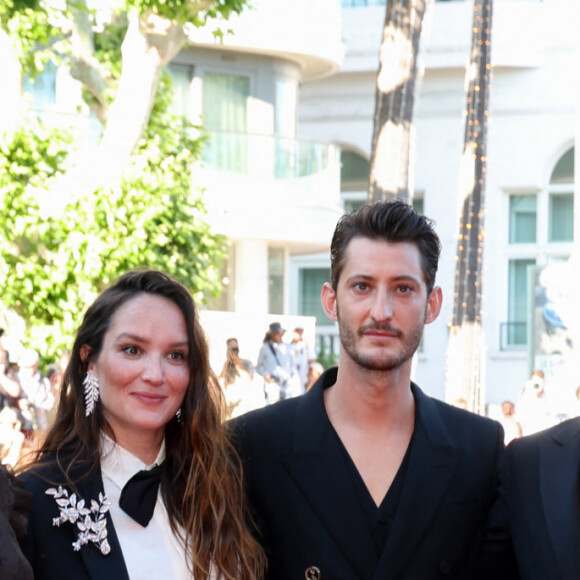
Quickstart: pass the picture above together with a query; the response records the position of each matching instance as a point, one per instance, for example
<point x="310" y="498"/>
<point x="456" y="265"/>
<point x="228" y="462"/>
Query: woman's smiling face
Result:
<point x="143" y="369"/>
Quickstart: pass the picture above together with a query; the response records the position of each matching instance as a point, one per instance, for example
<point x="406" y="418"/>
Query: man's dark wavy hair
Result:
<point x="389" y="221"/>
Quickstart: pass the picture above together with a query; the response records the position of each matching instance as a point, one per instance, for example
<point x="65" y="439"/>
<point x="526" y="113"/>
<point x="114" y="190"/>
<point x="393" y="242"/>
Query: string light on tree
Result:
<point x="465" y="364"/>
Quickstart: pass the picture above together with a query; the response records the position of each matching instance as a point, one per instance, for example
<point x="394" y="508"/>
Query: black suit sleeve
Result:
<point x="497" y="554"/>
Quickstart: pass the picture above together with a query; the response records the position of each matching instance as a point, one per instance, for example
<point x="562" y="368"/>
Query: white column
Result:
<point x="251" y="277"/>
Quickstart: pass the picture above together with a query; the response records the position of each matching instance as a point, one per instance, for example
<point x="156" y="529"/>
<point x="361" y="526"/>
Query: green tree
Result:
<point x="70" y="224"/>
<point x="52" y="266"/>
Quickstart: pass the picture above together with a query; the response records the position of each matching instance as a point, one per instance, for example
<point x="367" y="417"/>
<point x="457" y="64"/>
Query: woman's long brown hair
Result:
<point x="203" y="485"/>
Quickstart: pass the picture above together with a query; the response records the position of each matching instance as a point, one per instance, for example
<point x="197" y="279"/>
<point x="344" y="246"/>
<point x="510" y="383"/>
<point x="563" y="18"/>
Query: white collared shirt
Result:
<point x="151" y="553"/>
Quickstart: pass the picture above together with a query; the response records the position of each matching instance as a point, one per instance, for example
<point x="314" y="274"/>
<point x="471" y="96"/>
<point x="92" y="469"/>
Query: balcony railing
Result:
<point x="269" y="156"/>
<point x="327" y="345"/>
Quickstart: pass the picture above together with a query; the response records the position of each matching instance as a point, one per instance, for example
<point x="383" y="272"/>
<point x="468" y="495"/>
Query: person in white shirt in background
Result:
<point x="277" y="365"/>
<point x="36" y="387"/>
<point x="304" y="355"/>
<point x="137" y="464"/>
<point x="532" y="409"/>
<point x="242" y="387"/>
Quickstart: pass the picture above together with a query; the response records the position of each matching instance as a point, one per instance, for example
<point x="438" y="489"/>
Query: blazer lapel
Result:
<point x="318" y="468"/>
<point x="99" y="566"/>
<point x="431" y="466"/>
<point x="559" y="466"/>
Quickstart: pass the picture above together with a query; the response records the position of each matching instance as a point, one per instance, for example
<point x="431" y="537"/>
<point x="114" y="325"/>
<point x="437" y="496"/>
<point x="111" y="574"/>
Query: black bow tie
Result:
<point x="139" y="495"/>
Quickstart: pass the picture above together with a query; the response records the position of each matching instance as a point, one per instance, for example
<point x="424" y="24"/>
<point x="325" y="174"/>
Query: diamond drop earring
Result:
<point x="91" y="388"/>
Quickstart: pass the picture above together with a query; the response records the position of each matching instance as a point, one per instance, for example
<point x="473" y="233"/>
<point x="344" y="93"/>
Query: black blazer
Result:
<point x="308" y="512"/>
<point x="543" y="497"/>
<point x="49" y="548"/>
<point x="13" y="505"/>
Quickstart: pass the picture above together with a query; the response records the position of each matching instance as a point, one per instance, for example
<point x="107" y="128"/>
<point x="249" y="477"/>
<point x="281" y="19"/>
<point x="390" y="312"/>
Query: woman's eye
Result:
<point x="177" y="356"/>
<point x="131" y="349"/>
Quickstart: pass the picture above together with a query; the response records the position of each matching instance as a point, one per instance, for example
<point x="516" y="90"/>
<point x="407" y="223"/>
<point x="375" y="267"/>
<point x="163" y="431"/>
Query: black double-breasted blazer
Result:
<point x="49" y="548"/>
<point x="13" y="507"/>
<point x="307" y="510"/>
<point x="543" y="499"/>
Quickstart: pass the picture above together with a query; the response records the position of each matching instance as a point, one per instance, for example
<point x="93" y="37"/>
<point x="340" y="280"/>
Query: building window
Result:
<point x="309" y="285"/>
<point x="352" y="204"/>
<point x="561" y="200"/>
<point x="181" y="76"/>
<point x="276" y="268"/>
<point x="541" y="230"/>
<point x="354" y="180"/>
<point x="523" y="217"/>
<point x="352" y="201"/>
<point x="518" y="302"/>
<point x="225" y="112"/>
<point x="418" y="204"/>
<point x="561" y="221"/>
<point x="355" y="171"/>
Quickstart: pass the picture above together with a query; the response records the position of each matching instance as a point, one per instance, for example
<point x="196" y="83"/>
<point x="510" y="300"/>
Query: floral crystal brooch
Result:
<point x="91" y="522"/>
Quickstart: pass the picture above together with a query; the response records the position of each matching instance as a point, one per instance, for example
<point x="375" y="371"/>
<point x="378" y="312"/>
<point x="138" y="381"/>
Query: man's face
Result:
<point x="507" y="409"/>
<point x="381" y="303"/>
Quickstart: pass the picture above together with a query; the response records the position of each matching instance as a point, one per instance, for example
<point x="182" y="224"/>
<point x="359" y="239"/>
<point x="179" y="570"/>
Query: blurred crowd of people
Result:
<point x="27" y="396"/>
<point x="533" y="410"/>
<point x="284" y="369"/>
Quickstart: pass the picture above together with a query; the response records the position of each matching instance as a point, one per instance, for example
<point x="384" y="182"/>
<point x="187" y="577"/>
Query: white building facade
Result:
<point x="530" y="162"/>
<point x="288" y="102"/>
<point x="273" y="195"/>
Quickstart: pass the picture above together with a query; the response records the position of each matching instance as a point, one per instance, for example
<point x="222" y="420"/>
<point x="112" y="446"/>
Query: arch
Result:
<point x="354" y="170"/>
<point x="561" y="199"/>
<point x="563" y="171"/>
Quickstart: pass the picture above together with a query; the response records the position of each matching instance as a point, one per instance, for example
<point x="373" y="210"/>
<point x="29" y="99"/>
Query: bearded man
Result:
<point x="365" y="476"/>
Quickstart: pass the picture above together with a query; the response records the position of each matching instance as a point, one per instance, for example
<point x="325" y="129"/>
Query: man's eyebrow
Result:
<point x="359" y="277"/>
<point x="401" y="278"/>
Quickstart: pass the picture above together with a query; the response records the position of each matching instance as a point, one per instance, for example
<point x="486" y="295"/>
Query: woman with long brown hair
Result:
<point x="136" y="478"/>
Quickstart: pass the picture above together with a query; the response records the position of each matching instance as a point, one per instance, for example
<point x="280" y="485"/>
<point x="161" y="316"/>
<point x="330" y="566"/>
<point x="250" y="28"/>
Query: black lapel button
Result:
<point x="313" y="573"/>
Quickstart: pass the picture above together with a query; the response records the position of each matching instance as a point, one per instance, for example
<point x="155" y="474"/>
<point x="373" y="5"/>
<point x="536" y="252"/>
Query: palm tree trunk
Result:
<point x="466" y="352"/>
<point x="392" y="143"/>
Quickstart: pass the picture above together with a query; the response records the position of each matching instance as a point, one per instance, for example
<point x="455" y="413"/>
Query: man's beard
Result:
<point x="378" y="359"/>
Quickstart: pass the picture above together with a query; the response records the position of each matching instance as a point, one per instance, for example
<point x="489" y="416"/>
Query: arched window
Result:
<point x="541" y="232"/>
<point x="561" y="200"/>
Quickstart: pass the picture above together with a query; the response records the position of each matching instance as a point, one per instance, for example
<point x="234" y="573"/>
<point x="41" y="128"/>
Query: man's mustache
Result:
<point x="381" y="328"/>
